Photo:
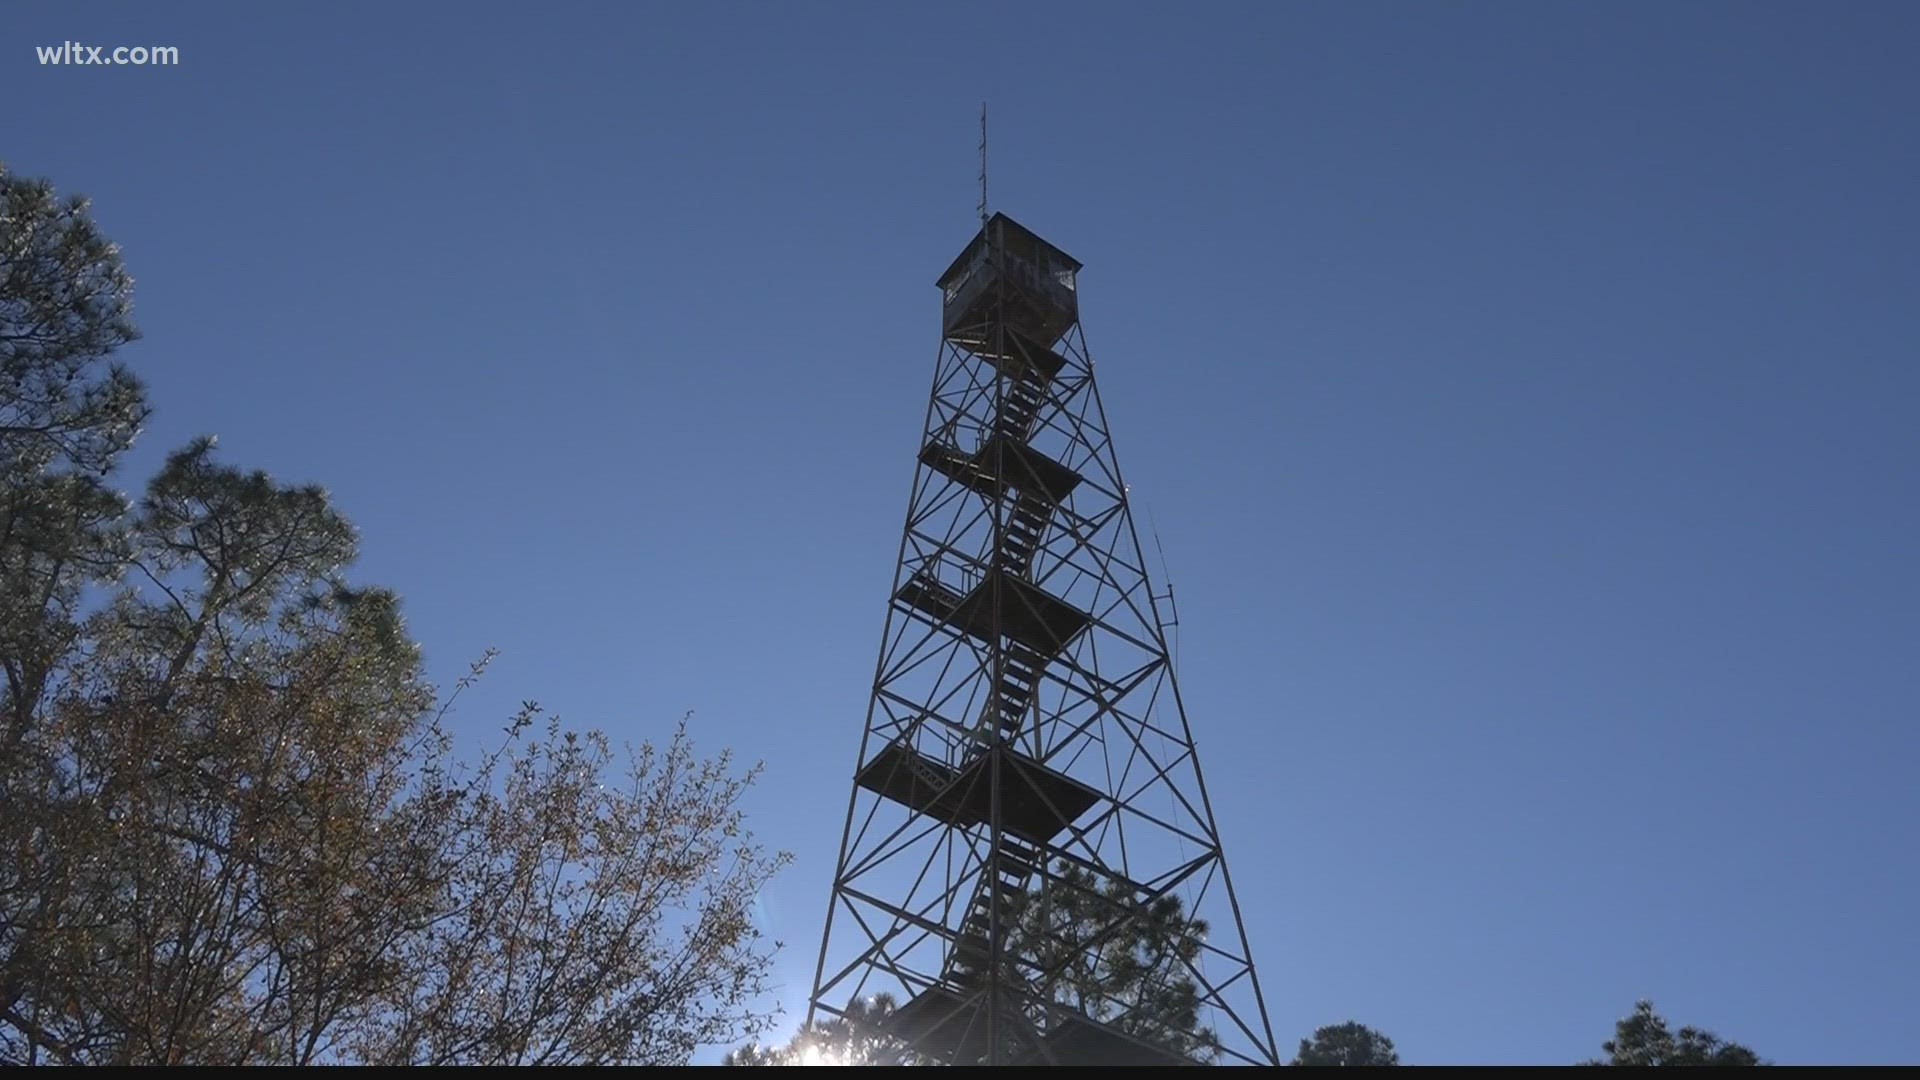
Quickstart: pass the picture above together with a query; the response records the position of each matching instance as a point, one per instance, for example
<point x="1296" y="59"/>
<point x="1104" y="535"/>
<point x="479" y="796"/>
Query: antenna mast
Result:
<point x="983" y="163"/>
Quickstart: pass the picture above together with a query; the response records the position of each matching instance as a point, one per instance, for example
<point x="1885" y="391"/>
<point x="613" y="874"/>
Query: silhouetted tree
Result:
<point x="1644" y="1039"/>
<point x="856" y="1038"/>
<point x="1093" y="946"/>
<point x="1347" y="1044"/>
<point x="1090" y="946"/>
<point x="231" y="827"/>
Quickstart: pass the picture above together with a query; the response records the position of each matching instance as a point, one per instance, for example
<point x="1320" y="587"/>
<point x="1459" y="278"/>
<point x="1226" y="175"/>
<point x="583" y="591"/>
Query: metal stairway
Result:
<point x="1002" y="882"/>
<point x="1020" y="535"/>
<point x="1015" y="861"/>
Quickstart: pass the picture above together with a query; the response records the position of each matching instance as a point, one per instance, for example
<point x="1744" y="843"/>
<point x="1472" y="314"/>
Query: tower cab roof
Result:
<point x="1012" y="237"/>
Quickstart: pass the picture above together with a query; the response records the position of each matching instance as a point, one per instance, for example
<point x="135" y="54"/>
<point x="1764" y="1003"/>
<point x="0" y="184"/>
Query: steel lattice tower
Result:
<point x="1028" y="796"/>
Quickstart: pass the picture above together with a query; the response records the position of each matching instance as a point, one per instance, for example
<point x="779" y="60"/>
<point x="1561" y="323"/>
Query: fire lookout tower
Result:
<point x="1030" y="865"/>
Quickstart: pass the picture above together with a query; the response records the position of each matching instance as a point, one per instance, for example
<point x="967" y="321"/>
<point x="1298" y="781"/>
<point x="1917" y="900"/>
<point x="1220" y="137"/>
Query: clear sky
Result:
<point x="1525" y="395"/>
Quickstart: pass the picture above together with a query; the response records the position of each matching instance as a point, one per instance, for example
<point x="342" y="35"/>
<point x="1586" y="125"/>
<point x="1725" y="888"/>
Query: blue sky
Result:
<point x="1524" y="394"/>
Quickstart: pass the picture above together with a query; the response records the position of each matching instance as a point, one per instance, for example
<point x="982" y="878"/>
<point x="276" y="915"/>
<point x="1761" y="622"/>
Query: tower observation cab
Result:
<point x="1009" y="276"/>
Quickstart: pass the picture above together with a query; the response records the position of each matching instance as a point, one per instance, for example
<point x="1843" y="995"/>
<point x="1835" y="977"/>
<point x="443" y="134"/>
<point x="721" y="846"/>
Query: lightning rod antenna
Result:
<point x="983" y="163"/>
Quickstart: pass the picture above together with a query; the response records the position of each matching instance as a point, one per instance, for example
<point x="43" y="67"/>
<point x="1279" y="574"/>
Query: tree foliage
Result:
<point x="66" y="304"/>
<point x="1350" y="1043"/>
<point x="855" y="1038"/>
<point x="1099" y="950"/>
<point x="1091" y="947"/>
<point x="235" y="831"/>
<point x="1645" y="1039"/>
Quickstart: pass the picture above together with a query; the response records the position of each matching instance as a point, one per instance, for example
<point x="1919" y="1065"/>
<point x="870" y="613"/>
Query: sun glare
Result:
<point x="813" y="1055"/>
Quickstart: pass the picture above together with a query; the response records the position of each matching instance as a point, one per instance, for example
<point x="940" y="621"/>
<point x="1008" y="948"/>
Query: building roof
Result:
<point x="1012" y="236"/>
